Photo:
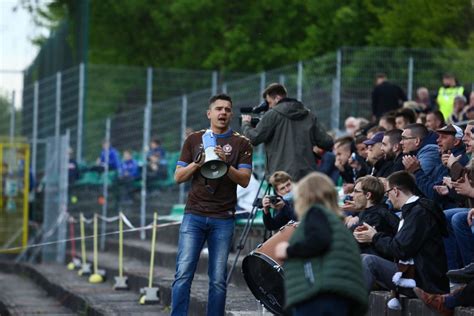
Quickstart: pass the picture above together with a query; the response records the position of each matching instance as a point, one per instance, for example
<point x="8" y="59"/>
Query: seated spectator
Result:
<point x="469" y="109"/>
<point x="157" y="149"/>
<point x="114" y="158"/>
<point x="419" y="237"/>
<point x="404" y="117"/>
<point x="367" y="198"/>
<point x="379" y="166"/>
<point x="73" y="168"/>
<point x="445" y="304"/>
<point x="421" y="119"/>
<point x="434" y="120"/>
<point x="350" y="165"/>
<point x="387" y="121"/>
<point x="325" y="162"/>
<point x="392" y="149"/>
<point x="156" y="170"/>
<point x="361" y="147"/>
<point x="458" y="114"/>
<point x="284" y="212"/>
<point x="423" y="98"/>
<point x="128" y="173"/>
<point x="421" y="156"/>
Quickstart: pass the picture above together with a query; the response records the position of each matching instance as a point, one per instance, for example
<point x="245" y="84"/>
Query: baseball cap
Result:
<point x="451" y="129"/>
<point x="377" y="138"/>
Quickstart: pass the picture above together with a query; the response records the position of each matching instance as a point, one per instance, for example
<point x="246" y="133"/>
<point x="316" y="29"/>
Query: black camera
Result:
<point x="274" y="199"/>
<point x="258" y="109"/>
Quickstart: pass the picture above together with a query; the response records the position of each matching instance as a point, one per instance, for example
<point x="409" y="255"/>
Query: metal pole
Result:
<point x="57" y="124"/>
<point x="184" y="115"/>
<point x="34" y="135"/>
<point x="105" y="188"/>
<point x="336" y="94"/>
<point x="299" y="83"/>
<point x="410" y="79"/>
<point x="214" y="83"/>
<point x="146" y="140"/>
<point x="282" y="79"/>
<point x="80" y="114"/>
<point x="63" y="195"/>
<point x="224" y="88"/>
<point x="12" y="118"/>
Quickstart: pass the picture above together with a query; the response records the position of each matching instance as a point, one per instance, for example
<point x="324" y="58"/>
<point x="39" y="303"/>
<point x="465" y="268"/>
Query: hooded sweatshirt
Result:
<point x="289" y="131"/>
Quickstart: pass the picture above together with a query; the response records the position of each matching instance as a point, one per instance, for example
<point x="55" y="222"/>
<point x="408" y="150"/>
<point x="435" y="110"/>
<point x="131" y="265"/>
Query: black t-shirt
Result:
<point x="215" y="198"/>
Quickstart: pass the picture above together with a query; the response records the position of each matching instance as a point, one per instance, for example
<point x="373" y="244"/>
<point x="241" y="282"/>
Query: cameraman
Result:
<point x="282" y="203"/>
<point x="289" y="131"/>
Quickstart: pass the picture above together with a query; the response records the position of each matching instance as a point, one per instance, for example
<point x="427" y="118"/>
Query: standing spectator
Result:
<point x="289" y="131"/>
<point x="386" y="97"/>
<point x="458" y="111"/>
<point x="435" y="120"/>
<point x="419" y="237"/>
<point x="157" y="148"/>
<point x="447" y="93"/>
<point x="323" y="274"/>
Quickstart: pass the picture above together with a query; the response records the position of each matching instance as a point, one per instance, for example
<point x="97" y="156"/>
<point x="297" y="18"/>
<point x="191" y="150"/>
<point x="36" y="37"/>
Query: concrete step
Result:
<point x="82" y="297"/>
<point x="239" y="299"/>
<point x="21" y="296"/>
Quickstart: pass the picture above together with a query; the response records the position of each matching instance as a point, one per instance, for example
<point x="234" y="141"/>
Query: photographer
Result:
<point x="282" y="203"/>
<point x="289" y="131"/>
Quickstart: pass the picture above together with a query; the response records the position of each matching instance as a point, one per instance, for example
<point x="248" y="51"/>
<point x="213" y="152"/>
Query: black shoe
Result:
<point x="464" y="275"/>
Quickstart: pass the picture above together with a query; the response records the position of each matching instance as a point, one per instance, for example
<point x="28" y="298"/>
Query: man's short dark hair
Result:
<point x="344" y="141"/>
<point x="273" y="90"/>
<point x="418" y="130"/>
<point x="221" y="96"/>
<point x="439" y="115"/>
<point x="407" y="114"/>
<point x="403" y="180"/>
<point x="394" y="136"/>
<point x="373" y="185"/>
<point x="381" y="75"/>
<point x="390" y="118"/>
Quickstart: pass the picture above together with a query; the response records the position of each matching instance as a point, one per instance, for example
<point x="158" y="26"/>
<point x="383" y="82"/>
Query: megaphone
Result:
<point x="213" y="167"/>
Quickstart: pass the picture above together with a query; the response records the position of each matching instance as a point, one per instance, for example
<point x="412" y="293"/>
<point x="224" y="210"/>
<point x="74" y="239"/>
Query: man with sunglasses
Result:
<point x="419" y="237"/>
<point x="210" y="208"/>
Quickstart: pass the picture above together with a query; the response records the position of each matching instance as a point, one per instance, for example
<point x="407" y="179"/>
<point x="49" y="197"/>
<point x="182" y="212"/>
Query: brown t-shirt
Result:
<point x="215" y="198"/>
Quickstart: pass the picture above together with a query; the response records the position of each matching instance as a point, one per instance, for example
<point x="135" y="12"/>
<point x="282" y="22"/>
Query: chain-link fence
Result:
<point x="146" y="104"/>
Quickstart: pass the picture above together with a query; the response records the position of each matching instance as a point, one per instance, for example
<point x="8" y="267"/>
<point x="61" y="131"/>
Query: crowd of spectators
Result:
<point x="408" y="180"/>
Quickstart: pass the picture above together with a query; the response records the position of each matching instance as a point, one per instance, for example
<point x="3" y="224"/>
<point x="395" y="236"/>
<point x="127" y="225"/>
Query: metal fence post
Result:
<point x="410" y="79"/>
<point x="80" y="114"/>
<point x="57" y="122"/>
<point x="336" y="94"/>
<point x="105" y="188"/>
<point x="224" y="88"/>
<point x="263" y="81"/>
<point x="299" y="83"/>
<point x="12" y="118"/>
<point x="184" y="115"/>
<point x="146" y="140"/>
<point x="282" y="79"/>
<point x="34" y="135"/>
<point x="62" y="196"/>
<point x="214" y="83"/>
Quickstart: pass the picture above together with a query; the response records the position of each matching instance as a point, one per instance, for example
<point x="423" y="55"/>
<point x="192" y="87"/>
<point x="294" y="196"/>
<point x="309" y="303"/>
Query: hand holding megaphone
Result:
<point x="214" y="165"/>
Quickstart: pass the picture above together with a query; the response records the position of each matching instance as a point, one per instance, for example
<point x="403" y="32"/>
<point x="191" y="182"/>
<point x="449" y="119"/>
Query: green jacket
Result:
<point x="338" y="271"/>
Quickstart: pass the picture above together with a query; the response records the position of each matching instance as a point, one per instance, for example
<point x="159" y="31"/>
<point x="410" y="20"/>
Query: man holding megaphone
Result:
<point x="215" y="160"/>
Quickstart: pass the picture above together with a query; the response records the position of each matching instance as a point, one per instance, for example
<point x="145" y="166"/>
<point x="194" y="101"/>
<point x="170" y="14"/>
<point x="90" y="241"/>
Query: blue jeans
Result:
<point x="464" y="237"/>
<point x="194" y="232"/>
<point x="451" y="244"/>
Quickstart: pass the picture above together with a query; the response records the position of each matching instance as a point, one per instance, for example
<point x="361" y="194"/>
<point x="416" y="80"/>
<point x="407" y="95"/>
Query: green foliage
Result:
<point x="255" y="35"/>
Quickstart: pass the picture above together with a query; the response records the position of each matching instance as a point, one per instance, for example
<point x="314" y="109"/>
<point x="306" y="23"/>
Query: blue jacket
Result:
<point x="129" y="168"/>
<point x="114" y="158"/>
<point x="428" y="176"/>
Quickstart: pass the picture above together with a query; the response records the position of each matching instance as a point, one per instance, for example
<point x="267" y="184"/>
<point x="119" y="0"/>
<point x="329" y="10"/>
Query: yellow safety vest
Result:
<point x="446" y="97"/>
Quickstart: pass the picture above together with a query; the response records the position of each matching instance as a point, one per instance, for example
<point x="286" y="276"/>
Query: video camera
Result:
<point x="258" y="109"/>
